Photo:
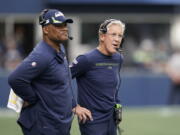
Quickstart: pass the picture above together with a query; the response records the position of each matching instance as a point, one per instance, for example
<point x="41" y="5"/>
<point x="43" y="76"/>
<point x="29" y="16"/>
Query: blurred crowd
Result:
<point x="11" y="51"/>
<point x="150" y="55"/>
<point x="146" y="55"/>
<point x="10" y="56"/>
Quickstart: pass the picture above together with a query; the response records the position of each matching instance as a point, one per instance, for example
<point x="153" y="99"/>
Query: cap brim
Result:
<point x="59" y="23"/>
<point x="68" y="21"/>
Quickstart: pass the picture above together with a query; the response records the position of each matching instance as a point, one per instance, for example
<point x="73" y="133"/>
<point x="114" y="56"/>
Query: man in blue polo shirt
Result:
<point x="98" y="80"/>
<point x="42" y="80"/>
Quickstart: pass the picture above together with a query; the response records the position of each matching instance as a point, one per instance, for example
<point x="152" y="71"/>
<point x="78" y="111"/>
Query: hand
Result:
<point x="82" y="113"/>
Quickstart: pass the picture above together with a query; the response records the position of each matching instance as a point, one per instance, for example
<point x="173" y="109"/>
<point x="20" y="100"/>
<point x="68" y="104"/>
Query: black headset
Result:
<point x="42" y="21"/>
<point x="103" y="27"/>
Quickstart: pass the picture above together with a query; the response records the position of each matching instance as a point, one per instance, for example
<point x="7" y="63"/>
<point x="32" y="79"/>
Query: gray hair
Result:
<point x="104" y="27"/>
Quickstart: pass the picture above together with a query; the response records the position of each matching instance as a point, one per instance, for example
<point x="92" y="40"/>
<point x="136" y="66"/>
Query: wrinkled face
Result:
<point x="112" y="39"/>
<point x="58" y="33"/>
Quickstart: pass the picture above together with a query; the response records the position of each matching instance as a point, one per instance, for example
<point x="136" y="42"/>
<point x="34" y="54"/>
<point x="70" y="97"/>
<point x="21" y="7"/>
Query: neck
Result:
<point x="53" y="44"/>
<point x="103" y="50"/>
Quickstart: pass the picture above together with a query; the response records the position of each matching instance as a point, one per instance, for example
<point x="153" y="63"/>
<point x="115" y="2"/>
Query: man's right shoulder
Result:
<point x="38" y="57"/>
<point x="41" y="53"/>
<point x="91" y="53"/>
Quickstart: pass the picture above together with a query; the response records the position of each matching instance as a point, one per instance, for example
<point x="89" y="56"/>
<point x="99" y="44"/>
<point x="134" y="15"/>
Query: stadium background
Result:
<point x="153" y="29"/>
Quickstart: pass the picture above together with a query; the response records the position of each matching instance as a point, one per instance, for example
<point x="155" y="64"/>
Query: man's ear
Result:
<point x="45" y="30"/>
<point x="101" y="37"/>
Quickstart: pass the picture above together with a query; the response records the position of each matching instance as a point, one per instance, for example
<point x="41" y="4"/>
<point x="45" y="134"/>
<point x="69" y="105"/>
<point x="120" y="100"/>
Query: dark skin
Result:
<point x="54" y="35"/>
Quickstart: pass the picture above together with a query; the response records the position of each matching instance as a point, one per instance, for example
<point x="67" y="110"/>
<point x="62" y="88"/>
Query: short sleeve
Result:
<point x="79" y="66"/>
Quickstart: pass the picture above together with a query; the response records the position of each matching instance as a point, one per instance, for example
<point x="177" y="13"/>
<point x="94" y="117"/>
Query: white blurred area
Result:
<point x="175" y="31"/>
<point x="150" y="39"/>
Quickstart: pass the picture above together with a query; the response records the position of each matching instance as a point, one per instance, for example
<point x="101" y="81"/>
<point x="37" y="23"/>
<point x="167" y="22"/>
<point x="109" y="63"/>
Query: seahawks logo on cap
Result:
<point x="56" y="21"/>
<point x="58" y="14"/>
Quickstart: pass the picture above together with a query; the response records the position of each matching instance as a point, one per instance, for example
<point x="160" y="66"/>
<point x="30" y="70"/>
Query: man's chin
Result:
<point x="61" y="41"/>
<point x="114" y="51"/>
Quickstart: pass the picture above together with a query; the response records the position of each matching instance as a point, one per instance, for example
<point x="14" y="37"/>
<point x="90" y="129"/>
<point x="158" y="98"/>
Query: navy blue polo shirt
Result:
<point x="43" y="78"/>
<point x="98" y="81"/>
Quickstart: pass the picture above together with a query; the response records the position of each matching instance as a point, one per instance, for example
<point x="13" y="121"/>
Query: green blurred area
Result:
<point x="136" y="121"/>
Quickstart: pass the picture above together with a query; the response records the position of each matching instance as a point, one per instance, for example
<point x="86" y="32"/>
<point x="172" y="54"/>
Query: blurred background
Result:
<point x="150" y="89"/>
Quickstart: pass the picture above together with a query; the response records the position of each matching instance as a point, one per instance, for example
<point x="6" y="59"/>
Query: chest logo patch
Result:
<point x="33" y="64"/>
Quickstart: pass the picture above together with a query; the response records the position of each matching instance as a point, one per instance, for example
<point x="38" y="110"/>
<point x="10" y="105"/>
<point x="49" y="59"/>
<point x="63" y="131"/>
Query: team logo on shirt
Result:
<point x="107" y="65"/>
<point x="33" y="64"/>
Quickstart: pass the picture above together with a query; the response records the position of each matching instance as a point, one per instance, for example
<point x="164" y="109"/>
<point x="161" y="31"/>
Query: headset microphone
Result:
<point x="119" y="49"/>
<point x="71" y="38"/>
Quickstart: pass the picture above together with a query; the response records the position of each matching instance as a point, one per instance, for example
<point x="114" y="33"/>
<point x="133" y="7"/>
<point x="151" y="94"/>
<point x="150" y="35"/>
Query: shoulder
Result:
<point x="80" y="59"/>
<point x="92" y="55"/>
<point x="83" y="60"/>
<point x="38" y="55"/>
<point x="86" y="56"/>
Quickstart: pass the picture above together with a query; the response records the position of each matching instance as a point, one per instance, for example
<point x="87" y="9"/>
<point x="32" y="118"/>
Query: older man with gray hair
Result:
<point x="98" y="81"/>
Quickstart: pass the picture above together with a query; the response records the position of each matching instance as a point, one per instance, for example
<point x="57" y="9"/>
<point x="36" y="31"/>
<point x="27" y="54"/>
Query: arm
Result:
<point x="80" y="66"/>
<point x="20" y="80"/>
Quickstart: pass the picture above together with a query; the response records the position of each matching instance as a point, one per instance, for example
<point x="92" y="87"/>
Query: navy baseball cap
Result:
<point x="53" y="16"/>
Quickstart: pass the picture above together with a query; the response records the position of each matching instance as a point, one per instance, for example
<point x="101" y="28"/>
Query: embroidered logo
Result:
<point x="59" y="14"/>
<point x="33" y="64"/>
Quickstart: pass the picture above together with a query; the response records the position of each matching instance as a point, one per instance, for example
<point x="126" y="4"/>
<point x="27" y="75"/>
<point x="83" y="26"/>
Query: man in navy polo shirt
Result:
<point x="98" y="80"/>
<point x="42" y="80"/>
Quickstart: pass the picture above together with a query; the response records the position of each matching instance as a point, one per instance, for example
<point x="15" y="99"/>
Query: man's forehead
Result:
<point x="115" y="25"/>
<point x="115" y="28"/>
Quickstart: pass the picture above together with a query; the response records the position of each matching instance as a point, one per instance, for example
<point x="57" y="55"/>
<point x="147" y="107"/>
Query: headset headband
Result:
<point x="103" y="28"/>
<point x="42" y="21"/>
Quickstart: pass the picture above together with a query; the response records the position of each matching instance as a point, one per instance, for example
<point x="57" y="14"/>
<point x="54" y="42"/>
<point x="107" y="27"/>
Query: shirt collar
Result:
<point x="58" y="55"/>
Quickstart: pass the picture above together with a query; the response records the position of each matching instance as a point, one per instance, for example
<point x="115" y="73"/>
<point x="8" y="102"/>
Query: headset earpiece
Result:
<point x="103" y="28"/>
<point x="42" y="21"/>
